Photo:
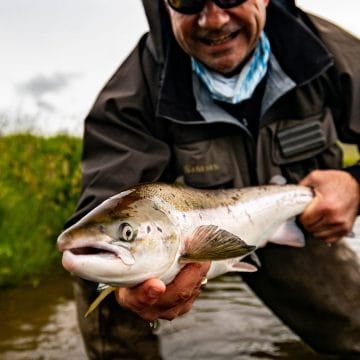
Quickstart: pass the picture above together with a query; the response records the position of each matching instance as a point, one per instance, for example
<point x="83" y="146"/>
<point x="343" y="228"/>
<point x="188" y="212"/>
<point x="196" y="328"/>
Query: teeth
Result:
<point x="219" y="40"/>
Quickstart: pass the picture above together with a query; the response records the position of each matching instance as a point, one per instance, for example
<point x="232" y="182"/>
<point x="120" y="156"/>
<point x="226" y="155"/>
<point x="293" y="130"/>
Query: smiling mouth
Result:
<point x="213" y="41"/>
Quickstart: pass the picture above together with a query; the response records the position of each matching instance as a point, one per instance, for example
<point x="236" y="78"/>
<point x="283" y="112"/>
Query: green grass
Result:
<point x="39" y="187"/>
<point x="351" y="154"/>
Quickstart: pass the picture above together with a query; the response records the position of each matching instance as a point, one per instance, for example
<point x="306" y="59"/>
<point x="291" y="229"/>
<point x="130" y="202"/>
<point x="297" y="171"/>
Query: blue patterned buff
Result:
<point x="241" y="86"/>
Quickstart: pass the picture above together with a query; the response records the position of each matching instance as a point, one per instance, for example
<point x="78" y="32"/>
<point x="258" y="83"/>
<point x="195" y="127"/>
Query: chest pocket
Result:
<point x="211" y="163"/>
<point x="300" y="146"/>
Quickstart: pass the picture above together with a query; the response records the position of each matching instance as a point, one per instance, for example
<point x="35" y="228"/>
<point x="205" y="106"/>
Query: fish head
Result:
<point x="122" y="242"/>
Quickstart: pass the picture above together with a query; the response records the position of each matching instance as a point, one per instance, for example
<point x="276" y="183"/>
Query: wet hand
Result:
<point x="153" y="300"/>
<point x="332" y="213"/>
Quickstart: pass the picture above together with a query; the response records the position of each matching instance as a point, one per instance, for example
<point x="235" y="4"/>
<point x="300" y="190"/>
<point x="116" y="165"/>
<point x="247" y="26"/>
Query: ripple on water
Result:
<point x="220" y="327"/>
<point x="40" y="323"/>
<point x="227" y="322"/>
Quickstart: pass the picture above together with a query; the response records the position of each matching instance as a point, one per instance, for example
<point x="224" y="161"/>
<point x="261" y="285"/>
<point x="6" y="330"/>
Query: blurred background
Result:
<point x="55" y="57"/>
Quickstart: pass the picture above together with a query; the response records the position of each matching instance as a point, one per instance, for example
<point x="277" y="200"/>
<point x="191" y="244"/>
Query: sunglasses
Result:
<point x="196" y="6"/>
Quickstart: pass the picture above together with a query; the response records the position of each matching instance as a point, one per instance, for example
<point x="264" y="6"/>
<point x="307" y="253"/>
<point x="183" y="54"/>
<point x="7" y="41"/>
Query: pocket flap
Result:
<point x="301" y="138"/>
<point x="297" y="140"/>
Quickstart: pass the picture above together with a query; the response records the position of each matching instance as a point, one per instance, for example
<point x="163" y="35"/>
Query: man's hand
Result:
<point x="153" y="300"/>
<point x="332" y="213"/>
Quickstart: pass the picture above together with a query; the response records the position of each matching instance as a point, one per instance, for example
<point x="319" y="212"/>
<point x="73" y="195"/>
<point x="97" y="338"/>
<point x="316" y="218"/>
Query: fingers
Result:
<point x="152" y="300"/>
<point x="181" y="293"/>
<point x="142" y="296"/>
<point x="180" y="308"/>
<point x="322" y="217"/>
<point x="186" y="283"/>
<point x="330" y="233"/>
<point x="325" y="220"/>
<point x="331" y="214"/>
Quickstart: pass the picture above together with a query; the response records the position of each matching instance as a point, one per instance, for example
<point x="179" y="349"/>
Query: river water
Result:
<point x="227" y="322"/>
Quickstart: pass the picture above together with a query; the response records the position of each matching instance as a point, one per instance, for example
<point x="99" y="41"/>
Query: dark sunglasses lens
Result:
<point x="227" y="4"/>
<point x="187" y="6"/>
<point x="195" y="6"/>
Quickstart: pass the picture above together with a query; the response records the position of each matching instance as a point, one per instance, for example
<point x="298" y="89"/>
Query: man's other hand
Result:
<point x="332" y="213"/>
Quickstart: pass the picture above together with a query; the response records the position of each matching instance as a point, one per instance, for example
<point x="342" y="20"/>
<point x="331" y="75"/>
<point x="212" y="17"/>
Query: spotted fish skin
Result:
<point x="152" y="230"/>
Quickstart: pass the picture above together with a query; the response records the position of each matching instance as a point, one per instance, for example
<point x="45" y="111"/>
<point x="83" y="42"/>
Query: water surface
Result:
<point x="227" y="322"/>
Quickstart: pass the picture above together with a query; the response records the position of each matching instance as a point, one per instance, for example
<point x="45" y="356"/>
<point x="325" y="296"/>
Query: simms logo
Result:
<point x="201" y="168"/>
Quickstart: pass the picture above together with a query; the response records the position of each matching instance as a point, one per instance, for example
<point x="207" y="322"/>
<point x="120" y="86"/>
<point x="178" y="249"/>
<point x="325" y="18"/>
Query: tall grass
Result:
<point x="39" y="187"/>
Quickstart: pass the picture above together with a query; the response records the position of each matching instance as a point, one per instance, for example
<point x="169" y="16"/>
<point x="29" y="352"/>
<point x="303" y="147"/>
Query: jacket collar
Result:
<point x="300" y="53"/>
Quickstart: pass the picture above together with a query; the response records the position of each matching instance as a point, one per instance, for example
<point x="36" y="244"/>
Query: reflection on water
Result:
<point x="227" y="322"/>
<point x="39" y="323"/>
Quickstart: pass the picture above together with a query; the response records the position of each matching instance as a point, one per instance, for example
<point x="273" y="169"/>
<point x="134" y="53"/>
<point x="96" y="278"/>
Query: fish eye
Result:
<point x="127" y="233"/>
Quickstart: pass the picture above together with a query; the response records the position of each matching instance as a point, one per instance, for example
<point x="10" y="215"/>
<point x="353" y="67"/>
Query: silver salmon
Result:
<point x="153" y="230"/>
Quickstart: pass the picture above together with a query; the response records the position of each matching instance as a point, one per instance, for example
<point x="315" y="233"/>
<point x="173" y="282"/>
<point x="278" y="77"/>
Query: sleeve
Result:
<point x="348" y="95"/>
<point x="120" y="146"/>
<point x="354" y="170"/>
<point x="345" y="49"/>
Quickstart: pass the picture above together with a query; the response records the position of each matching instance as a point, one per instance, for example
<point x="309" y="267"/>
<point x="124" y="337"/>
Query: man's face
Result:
<point x="220" y="38"/>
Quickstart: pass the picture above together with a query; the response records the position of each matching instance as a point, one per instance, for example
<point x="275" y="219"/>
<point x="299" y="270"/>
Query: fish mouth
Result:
<point x="90" y="251"/>
<point x="94" y="264"/>
<point x="93" y="249"/>
<point x="86" y="251"/>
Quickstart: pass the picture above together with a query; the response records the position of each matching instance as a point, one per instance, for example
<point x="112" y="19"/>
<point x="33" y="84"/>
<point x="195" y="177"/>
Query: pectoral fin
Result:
<point x="104" y="293"/>
<point x="209" y="242"/>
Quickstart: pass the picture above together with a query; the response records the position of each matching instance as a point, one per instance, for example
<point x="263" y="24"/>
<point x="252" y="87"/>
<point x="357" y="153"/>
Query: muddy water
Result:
<point x="227" y="322"/>
<point x="39" y="323"/>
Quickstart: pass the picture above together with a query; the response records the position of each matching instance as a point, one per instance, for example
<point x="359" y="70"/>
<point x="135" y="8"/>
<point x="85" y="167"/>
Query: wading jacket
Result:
<point x="153" y="121"/>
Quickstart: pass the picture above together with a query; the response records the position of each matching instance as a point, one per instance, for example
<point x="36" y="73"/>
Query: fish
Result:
<point x="155" y="229"/>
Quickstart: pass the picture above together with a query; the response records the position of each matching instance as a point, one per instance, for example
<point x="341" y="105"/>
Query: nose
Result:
<point x="212" y="16"/>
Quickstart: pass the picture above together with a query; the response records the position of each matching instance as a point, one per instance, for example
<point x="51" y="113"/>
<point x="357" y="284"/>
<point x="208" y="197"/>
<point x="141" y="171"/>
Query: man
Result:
<point x="230" y="93"/>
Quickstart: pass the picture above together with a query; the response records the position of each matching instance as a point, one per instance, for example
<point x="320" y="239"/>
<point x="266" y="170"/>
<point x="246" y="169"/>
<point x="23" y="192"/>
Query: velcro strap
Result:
<point x="301" y="138"/>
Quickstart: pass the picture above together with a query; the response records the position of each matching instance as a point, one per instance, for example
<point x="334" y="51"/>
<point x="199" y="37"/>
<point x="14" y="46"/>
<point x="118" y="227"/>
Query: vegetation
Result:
<point x="39" y="187"/>
<point x="351" y="154"/>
